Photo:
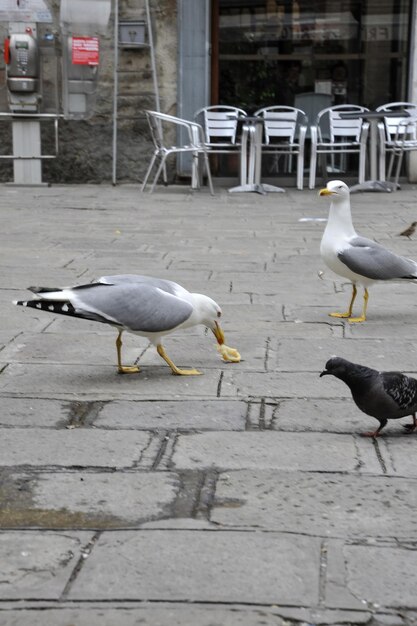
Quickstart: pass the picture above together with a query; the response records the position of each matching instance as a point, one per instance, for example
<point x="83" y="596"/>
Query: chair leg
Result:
<point x="208" y="171"/>
<point x="195" y="172"/>
<point x="397" y="171"/>
<point x="391" y="162"/>
<point x="145" y="180"/>
<point x="313" y="166"/>
<point x="300" y="170"/>
<point x="382" y="166"/>
<point x="161" y="167"/>
<point x="362" y="164"/>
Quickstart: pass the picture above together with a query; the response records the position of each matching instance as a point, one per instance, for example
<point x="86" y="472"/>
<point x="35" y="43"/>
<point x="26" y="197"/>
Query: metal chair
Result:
<point x="389" y="135"/>
<point x="346" y="136"/>
<point x="220" y="123"/>
<point x="404" y="140"/>
<point x="284" y="134"/>
<point x="312" y="103"/>
<point x="161" y="126"/>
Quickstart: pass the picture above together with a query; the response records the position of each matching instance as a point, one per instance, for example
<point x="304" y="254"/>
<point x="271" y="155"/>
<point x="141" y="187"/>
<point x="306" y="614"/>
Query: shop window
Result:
<point x="265" y="52"/>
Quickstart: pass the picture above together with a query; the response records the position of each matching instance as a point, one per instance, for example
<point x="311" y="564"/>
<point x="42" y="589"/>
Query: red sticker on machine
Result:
<point x="85" y="51"/>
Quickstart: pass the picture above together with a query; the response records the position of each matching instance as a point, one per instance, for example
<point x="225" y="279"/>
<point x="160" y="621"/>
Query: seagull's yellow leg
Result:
<point x="362" y="318"/>
<point x="124" y="369"/>
<point x="349" y="311"/>
<point x="175" y="370"/>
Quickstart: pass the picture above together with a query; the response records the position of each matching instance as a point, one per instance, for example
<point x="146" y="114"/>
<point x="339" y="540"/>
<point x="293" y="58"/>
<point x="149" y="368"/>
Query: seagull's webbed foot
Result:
<point x="356" y="320"/>
<point x="128" y="369"/>
<point x="349" y="311"/>
<point x="341" y="315"/>
<point x="175" y="370"/>
<point x="361" y="318"/>
<point x="123" y="369"/>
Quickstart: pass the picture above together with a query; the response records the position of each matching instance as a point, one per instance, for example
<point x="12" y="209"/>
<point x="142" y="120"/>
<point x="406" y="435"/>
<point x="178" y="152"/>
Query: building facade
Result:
<point x="247" y="53"/>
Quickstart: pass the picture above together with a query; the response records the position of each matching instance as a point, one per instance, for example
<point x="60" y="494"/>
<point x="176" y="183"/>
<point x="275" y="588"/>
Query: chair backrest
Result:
<point x="281" y="122"/>
<point x="312" y="103"/>
<point x="220" y="122"/>
<point x="342" y="128"/>
<point x="190" y="132"/>
<point x="392" y="124"/>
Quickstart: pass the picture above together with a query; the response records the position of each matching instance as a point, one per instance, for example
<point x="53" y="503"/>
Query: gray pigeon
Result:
<point x="383" y="395"/>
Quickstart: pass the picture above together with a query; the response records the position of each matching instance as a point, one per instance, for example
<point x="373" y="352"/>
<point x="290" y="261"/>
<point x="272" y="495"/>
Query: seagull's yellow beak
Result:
<point x="218" y="333"/>
<point x="325" y="192"/>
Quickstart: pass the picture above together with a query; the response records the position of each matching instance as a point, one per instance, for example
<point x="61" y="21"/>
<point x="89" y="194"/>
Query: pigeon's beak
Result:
<point x="325" y="373"/>
<point x="325" y="192"/>
<point x="218" y="333"/>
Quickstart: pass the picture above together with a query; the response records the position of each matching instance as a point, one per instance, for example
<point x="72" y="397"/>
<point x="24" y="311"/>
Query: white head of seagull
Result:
<point x="358" y="259"/>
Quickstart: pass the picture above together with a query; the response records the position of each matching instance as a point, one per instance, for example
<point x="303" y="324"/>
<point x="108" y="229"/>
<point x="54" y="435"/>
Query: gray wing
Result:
<point x="120" y="279"/>
<point x="368" y="258"/>
<point x="401" y="388"/>
<point x="136" y="306"/>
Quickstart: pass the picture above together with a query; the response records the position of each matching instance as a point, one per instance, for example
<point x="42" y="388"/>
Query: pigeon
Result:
<point x="149" y="307"/>
<point x="360" y="260"/>
<point x="383" y="395"/>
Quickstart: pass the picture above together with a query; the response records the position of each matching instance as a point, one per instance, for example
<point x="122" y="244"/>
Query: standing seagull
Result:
<point x="383" y="395"/>
<point x="360" y="260"/>
<point x="145" y="306"/>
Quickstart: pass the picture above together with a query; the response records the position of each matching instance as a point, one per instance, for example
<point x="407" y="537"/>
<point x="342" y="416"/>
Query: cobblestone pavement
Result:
<point x="242" y="497"/>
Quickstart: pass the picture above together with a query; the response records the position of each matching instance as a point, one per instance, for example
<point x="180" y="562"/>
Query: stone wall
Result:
<point x="85" y="153"/>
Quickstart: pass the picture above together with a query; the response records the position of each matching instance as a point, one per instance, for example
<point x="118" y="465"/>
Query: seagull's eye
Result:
<point x="219" y="313"/>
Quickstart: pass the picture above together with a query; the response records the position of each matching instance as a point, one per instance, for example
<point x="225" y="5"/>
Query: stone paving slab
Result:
<point x="152" y="614"/>
<point x="178" y="415"/>
<point x="196" y="566"/>
<point x="275" y="450"/>
<point x="320" y="504"/>
<point x="385" y="329"/>
<point x="278" y="385"/>
<point x="74" y="447"/>
<point x="377" y="353"/>
<point x="384" y="313"/>
<point x="402" y="453"/>
<point x="85" y="499"/>
<point x="335" y="415"/>
<point x="38" y="565"/>
<point x="103" y="382"/>
<point x="33" y="412"/>
<point x="373" y="576"/>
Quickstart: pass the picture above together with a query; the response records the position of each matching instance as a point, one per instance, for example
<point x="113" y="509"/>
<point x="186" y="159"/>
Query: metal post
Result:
<point x="115" y="88"/>
<point x="27" y="150"/>
<point x="153" y="61"/>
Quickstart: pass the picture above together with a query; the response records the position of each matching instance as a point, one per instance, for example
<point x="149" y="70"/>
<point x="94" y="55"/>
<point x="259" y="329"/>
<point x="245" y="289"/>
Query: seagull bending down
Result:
<point x="383" y="395"/>
<point x="145" y="306"/>
<point x="360" y="260"/>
